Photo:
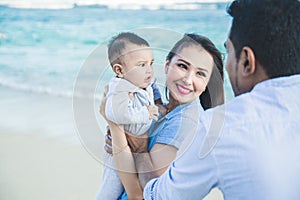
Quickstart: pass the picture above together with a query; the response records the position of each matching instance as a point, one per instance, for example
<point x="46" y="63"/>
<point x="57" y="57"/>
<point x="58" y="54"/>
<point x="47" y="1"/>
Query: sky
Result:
<point x="111" y="3"/>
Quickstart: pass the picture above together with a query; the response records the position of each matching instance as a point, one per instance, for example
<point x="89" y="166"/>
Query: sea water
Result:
<point x="43" y="49"/>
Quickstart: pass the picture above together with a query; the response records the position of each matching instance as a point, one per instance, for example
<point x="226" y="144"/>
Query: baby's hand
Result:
<point x="153" y="111"/>
<point x="162" y="109"/>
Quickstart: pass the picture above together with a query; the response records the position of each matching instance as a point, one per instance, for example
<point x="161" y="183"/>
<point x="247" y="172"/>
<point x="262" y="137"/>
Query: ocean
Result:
<point x="52" y="53"/>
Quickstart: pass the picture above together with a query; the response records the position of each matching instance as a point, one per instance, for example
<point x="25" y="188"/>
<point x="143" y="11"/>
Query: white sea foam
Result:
<point x="35" y="89"/>
<point x="112" y="4"/>
<point x="3" y="36"/>
<point x="48" y="90"/>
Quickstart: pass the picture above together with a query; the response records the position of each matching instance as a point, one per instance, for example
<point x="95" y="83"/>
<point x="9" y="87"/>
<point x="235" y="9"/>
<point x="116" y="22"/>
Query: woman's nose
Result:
<point x="188" y="78"/>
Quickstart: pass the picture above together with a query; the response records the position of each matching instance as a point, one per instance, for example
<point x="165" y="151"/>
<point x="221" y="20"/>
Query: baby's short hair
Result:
<point x="118" y="43"/>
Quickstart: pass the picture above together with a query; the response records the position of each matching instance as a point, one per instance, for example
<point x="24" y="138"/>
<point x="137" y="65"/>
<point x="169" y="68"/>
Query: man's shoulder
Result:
<point x="236" y="108"/>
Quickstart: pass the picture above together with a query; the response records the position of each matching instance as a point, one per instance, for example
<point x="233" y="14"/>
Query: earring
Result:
<point x="166" y="93"/>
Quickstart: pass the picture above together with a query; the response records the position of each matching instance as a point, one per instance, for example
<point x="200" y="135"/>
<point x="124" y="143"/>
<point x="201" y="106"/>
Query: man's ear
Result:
<point x="118" y="69"/>
<point x="247" y="60"/>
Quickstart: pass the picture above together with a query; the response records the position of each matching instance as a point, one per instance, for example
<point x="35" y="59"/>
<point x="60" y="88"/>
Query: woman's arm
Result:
<point x="151" y="164"/>
<point x="123" y="158"/>
<point x="124" y="162"/>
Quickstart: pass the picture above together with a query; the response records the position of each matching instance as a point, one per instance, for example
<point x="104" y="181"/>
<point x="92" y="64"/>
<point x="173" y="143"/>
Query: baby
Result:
<point x="130" y="99"/>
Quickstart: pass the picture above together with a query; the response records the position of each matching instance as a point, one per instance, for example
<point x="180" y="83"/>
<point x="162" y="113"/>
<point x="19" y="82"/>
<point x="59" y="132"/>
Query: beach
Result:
<point x="36" y="168"/>
<point x="42" y="155"/>
<point x="51" y="144"/>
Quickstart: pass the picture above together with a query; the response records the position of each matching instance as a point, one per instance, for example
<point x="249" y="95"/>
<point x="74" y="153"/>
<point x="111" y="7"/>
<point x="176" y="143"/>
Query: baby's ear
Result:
<point x="118" y="70"/>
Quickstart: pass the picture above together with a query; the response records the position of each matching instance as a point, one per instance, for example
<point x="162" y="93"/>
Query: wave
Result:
<point x="34" y="89"/>
<point x="116" y="4"/>
<point x="47" y="90"/>
<point x="3" y="36"/>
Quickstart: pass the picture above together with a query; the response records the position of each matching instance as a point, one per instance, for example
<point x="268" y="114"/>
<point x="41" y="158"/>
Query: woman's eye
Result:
<point x="201" y="74"/>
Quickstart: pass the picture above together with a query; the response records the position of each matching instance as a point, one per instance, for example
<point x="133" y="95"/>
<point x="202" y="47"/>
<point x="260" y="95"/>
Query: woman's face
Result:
<point x="188" y="73"/>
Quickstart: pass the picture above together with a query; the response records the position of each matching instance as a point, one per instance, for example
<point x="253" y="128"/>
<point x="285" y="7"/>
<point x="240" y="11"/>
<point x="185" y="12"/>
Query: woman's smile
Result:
<point x="183" y="90"/>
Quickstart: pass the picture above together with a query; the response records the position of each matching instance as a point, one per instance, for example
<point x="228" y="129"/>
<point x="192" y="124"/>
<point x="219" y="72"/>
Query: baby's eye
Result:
<point x="142" y="65"/>
<point x="182" y="66"/>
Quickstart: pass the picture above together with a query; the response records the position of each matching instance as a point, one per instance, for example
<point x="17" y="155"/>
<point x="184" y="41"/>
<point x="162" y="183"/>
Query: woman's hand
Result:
<point x="102" y="108"/>
<point x="108" y="143"/>
<point x="162" y="109"/>
<point x="103" y="103"/>
<point x="108" y="138"/>
<point x="153" y="112"/>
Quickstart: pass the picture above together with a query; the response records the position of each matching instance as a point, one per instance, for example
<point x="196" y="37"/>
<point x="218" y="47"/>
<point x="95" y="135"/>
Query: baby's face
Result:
<point x="137" y="65"/>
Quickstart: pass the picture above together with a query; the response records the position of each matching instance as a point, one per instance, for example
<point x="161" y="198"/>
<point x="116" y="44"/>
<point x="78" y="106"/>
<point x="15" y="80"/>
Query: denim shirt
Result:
<point x="248" y="148"/>
<point x="174" y="127"/>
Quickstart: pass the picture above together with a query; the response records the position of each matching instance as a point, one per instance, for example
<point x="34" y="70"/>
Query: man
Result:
<point x="248" y="148"/>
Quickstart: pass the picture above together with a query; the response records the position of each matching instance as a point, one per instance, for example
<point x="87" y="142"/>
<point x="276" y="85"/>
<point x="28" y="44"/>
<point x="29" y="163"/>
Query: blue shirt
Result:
<point x="248" y="148"/>
<point x="174" y="127"/>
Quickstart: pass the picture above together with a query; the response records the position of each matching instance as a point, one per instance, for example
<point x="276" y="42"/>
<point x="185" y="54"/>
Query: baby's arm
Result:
<point x="158" y="100"/>
<point x="153" y="112"/>
<point x="156" y="94"/>
<point x="138" y="114"/>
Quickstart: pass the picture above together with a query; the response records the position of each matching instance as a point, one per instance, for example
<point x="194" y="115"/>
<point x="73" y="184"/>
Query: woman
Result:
<point x="193" y="67"/>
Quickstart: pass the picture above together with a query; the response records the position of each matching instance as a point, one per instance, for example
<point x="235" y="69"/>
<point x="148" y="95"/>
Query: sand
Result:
<point x="34" y="168"/>
<point x="41" y="155"/>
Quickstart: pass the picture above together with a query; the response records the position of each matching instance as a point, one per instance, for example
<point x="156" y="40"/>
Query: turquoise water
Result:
<point x="45" y="53"/>
<point x="42" y="50"/>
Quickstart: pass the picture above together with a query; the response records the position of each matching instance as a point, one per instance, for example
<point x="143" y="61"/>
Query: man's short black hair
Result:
<point x="271" y="28"/>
